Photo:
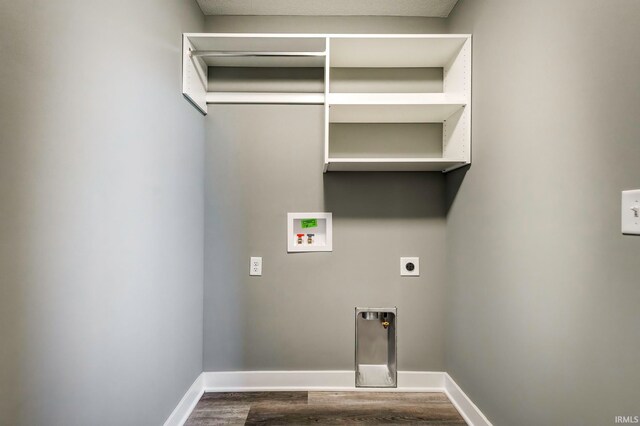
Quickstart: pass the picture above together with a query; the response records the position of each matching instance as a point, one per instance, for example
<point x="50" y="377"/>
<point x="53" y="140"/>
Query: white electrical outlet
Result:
<point x="631" y="212"/>
<point x="410" y="266"/>
<point x="255" y="266"/>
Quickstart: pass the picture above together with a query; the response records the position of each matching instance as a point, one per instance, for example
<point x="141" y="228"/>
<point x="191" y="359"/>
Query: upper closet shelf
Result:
<point x="396" y="51"/>
<point x="204" y="51"/>
<point x="262" y="59"/>
<point x="240" y="50"/>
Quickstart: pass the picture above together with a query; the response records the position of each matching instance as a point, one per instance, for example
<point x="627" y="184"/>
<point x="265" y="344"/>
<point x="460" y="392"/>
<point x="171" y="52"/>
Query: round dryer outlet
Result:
<point x="410" y="266"/>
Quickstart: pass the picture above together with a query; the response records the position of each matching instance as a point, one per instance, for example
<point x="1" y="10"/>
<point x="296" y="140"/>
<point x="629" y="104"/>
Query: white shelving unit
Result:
<point x="446" y="104"/>
<point x="414" y="90"/>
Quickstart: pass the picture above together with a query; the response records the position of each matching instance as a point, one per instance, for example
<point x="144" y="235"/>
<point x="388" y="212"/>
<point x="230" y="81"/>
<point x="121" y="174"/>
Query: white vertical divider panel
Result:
<point x="455" y="137"/>
<point x="457" y="72"/>
<point x="456" y="129"/>
<point x="194" y="77"/>
<point x="327" y="76"/>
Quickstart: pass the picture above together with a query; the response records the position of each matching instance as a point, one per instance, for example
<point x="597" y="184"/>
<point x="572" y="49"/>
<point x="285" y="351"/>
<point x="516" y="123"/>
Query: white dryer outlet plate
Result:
<point x="410" y="266"/>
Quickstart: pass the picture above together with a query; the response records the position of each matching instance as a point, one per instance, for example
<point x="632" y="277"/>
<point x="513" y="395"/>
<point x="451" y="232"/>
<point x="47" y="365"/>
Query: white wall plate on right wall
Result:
<point x="631" y="212"/>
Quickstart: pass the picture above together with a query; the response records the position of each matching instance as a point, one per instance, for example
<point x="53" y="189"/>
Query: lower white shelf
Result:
<point x="392" y="164"/>
<point x="264" y="98"/>
<point x="393" y="107"/>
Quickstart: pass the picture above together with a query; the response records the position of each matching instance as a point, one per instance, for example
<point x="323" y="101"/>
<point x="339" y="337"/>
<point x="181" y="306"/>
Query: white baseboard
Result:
<point x="408" y="381"/>
<point x="468" y="410"/>
<point x="188" y="402"/>
<point x="246" y="381"/>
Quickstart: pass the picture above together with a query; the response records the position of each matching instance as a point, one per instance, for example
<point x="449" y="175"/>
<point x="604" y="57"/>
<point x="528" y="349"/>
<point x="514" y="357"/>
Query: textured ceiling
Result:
<point x="432" y="8"/>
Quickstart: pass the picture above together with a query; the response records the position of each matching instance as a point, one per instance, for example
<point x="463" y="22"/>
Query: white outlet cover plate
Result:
<point x="631" y="212"/>
<point x="403" y="266"/>
<point x="255" y="266"/>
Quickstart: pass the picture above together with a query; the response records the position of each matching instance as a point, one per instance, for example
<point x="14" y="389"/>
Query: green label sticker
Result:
<point x="309" y="223"/>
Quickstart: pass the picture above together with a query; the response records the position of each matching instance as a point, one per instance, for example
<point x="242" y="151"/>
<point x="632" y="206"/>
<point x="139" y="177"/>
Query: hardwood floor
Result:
<point x="326" y="408"/>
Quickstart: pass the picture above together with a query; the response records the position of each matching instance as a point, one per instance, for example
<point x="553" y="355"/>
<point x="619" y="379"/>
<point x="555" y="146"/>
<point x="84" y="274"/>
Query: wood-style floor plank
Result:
<point x="217" y="398"/>
<point x="361" y="398"/>
<point x="330" y="408"/>
<point x="229" y="414"/>
<point x="232" y="408"/>
<point x="378" y="414"/>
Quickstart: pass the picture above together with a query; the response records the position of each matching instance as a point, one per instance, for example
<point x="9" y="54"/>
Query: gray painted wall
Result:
<point x="543" y="290"/>
<point x="101" y="213"/>
<point x="264" y="161"/>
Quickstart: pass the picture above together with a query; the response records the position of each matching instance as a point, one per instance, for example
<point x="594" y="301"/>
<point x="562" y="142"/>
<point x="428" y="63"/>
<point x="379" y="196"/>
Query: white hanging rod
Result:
<point x="230" y="54"/>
